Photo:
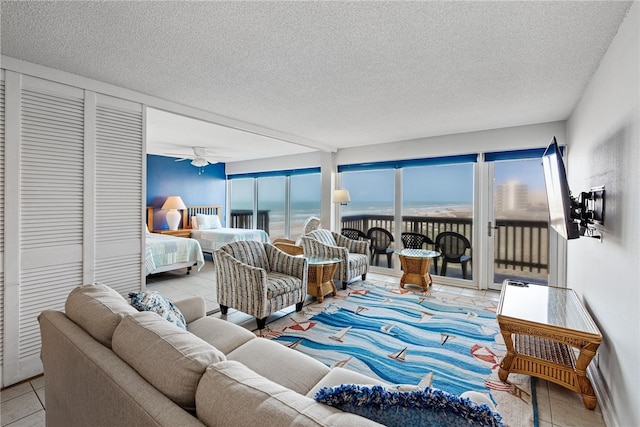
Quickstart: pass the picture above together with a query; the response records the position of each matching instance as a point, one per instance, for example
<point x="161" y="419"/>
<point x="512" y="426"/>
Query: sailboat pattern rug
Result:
<point x="437" y="339"/>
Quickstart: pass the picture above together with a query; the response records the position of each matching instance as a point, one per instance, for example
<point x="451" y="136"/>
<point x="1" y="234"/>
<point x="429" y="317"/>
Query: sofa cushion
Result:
<point x="98" y="309"/>
<point x="409" y="408"/>
<point x="280" y="364"/>
<point x="230" y="394"/>
<point x="338" y="376"/>
<point x="155" y="302"/>
<point x="170" y="358"/>
<point x="223" y="335"/>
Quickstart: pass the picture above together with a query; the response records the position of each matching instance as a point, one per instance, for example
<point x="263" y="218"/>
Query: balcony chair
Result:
<point x="354" y="254"/>
<point x="354" y="234"/>
<point x="312" y="223"/>
<point x="453" y="246"/>
<point x="381" y="241"/>
<point x="417" y="241"/>
<point x="258" y="279"/>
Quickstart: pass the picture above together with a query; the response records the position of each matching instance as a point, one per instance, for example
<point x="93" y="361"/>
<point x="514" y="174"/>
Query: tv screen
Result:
<point x="558" y="193"/>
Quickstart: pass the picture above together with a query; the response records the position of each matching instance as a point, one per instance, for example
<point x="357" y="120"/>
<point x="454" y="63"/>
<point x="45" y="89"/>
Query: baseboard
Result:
<point x="606" y="407"/>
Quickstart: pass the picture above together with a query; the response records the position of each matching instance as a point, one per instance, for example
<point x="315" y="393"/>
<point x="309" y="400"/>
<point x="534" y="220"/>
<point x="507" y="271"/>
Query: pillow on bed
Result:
<point x="208" y="222"/>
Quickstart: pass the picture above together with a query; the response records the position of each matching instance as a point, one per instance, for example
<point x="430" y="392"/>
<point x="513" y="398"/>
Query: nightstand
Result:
<point x="183" y="232"/>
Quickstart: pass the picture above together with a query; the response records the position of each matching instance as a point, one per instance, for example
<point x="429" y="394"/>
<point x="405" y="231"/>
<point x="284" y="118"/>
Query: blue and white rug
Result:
<point x="446" y="341"/>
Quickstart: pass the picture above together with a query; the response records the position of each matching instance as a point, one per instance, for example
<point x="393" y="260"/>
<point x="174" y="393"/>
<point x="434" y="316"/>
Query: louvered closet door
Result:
<point x="1" y="217"/>
<point x="119" y="191"/>
<point x="51" y="205"/>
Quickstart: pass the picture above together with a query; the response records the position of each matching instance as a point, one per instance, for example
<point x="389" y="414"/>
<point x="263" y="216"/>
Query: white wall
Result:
<point x="604" y="149"/>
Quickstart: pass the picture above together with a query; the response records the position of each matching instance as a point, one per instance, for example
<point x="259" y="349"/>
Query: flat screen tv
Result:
<point x="561" y="203"/>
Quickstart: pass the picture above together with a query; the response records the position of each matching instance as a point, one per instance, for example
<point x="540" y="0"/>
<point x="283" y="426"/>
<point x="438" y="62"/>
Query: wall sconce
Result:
<point x="173" y="203"/>
<point x="341" y="196"/>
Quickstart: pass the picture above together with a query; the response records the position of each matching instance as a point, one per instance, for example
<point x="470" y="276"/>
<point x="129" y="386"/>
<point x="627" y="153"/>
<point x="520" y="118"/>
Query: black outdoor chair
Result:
<point x="453" y="246"/>
<point x="417" y="241"/>
<point x="354" y="234"/>
<point x="381" y="241"/>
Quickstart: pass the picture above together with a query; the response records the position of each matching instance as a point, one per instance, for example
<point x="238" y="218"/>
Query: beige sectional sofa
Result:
<point x="107" y="364"/>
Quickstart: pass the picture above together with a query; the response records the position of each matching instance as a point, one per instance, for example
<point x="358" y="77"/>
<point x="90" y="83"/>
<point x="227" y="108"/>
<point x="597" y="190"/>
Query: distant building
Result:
<point x="511" y="196"/>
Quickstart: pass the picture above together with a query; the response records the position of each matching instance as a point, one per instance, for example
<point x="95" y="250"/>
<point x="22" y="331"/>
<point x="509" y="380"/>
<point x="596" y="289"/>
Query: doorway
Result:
<point x="518" y="226"/>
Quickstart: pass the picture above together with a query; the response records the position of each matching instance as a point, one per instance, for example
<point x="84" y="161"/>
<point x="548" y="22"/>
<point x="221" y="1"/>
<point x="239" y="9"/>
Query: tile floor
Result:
<point x="23" y="405"/>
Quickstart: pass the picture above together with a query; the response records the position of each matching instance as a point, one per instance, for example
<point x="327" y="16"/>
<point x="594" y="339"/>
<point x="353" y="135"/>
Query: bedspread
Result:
<point x="163" y="251"/>
<point x="210" y="240"/>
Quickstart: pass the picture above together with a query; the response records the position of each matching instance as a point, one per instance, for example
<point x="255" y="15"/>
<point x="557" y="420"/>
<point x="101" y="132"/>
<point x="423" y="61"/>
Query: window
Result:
<point x="284" y="200"/>
<point x="304" y="201"/>
<point x="271" y="205"/>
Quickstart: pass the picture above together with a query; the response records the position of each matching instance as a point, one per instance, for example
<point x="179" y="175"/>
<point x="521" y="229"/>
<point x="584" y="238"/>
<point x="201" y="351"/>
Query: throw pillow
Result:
<point x="408" y="408"/>
<point x="154" y="301"/>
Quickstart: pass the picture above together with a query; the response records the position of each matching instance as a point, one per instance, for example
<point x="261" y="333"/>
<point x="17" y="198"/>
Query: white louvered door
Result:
<point x="1" y="218"/>
<point x="51" y="207"/>
<point x="118" y="207"/>
<point x="73" y="205"/>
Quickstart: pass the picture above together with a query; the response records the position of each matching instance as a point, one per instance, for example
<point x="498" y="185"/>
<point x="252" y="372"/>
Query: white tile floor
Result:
<point x="23" y="405"/>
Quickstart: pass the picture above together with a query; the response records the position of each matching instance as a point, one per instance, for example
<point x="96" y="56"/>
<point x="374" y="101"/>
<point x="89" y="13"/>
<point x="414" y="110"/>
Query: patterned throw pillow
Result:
<point x="424" y="407"/>
<point x="155" y="302"/>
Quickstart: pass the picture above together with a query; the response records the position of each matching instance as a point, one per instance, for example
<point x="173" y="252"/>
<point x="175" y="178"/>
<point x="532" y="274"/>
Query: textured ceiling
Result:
<point x="338" y="74"/>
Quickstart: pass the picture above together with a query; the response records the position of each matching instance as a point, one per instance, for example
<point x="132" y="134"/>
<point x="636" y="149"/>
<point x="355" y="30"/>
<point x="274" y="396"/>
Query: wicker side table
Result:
<point x="415" y="266"/>
<point x="320" y="277"/>
<point x="544" y="329"/>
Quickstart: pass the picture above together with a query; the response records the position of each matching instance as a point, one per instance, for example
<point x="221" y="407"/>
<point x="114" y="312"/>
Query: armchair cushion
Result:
<point x="250" y="253"/>
<point x="355" y="246"/>
<point x="280" y="284"/>
<point x="324" y="236"/>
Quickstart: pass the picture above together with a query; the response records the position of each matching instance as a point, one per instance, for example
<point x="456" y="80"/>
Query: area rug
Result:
<point x="438" y="339"/>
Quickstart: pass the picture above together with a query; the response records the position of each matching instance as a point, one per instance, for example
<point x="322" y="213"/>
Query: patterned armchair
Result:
<point x="353" y="253"/>
<point x="259" y="279"/>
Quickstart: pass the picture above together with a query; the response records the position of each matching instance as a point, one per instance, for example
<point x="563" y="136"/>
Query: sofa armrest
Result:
<point x="192" y="308"/>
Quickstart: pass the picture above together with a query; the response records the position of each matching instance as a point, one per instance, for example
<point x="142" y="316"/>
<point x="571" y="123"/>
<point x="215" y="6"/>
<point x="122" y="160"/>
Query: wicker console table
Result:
<point x="549" y="335"/>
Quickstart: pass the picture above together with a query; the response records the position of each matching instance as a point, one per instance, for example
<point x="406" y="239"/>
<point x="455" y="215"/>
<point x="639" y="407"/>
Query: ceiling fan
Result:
<point x="200" y="158"/>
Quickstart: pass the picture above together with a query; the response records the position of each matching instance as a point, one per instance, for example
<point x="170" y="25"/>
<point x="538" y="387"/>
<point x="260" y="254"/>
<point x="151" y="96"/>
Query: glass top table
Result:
<point x="548" y="334"/>
<point x="418" y="253"/>
<point x="415" y="266"/>
<point x="545" y="305"/>
<point x="314" y="260"/>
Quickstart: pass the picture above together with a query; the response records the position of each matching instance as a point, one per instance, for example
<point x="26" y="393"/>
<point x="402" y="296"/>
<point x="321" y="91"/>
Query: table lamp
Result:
<point x="173" y="203"/>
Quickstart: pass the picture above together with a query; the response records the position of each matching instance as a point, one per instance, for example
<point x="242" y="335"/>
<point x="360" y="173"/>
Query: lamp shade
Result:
<point x="341" y="196"/>
<point x="174" y="202"/>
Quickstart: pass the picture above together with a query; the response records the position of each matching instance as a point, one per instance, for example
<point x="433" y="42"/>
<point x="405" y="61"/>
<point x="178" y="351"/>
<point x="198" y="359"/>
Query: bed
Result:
<point x="206" y="228"/>
<point x="166" y="253"/>
<point x="210" y="234"/>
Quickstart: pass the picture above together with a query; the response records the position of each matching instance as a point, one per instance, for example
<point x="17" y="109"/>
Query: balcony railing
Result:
<point x="520" y="245"/>
<point x="243" y="218"/>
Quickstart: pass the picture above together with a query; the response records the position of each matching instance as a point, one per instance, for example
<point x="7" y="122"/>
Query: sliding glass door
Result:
<point x="519" y="222"/>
